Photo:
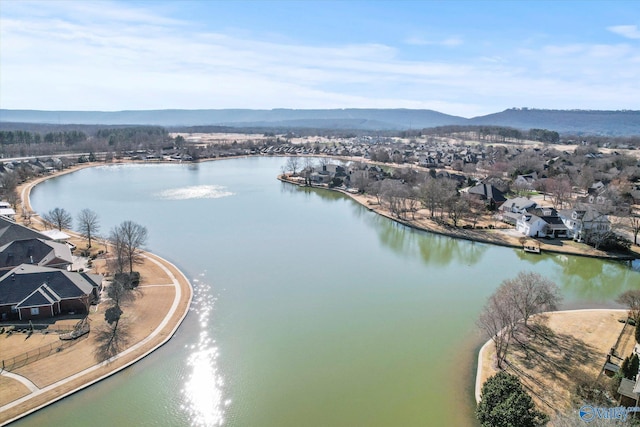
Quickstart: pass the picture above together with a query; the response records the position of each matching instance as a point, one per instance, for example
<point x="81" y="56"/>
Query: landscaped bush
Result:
<point x="130" y="280"/>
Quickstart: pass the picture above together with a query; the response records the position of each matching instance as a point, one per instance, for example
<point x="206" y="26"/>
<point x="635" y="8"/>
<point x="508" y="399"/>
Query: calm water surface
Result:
<point x="309" y="310"/>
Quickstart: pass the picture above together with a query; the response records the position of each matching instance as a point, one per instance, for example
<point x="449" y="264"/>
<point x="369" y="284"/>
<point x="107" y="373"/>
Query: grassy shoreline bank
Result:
<point x="493" y="237"/>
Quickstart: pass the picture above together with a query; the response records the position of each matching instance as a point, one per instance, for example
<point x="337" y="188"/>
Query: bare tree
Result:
<point x="498" y="320"/>
<point x="560" y="189"/>
<point x="516" y="300"/>
<point x="375" y="189"/>
<point x="8" y="184"/>
<point x="309" y="166"/>
<point x="435" y="194"/>
<point x="394" y="193"/>
<point x="58" y="218"/>
<point x="476" y="208"/>
<point x="117" y="262"/>
<point x="88" y="224"/>
<point x="360" y="180"/>
<point x="631" y="299"/>
<point x="531" y="293"/>
<point x="293" y="163"/>
<point x="127" y="240"/>
<point x="458" y="209"/>
<point x="634" y="223"/>
<point x="119" y="290"/>
<point x="429" y="195"/>
<point x="111" y="339"/>
<point x="12" y="198"/>
<point x="413" y="202"/>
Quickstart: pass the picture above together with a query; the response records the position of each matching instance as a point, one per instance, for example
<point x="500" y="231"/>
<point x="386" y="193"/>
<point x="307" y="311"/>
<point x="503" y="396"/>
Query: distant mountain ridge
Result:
<point x="598" y="122"/>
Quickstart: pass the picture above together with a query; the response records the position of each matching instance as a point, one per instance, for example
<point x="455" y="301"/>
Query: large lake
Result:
<point x="309" y="310"/>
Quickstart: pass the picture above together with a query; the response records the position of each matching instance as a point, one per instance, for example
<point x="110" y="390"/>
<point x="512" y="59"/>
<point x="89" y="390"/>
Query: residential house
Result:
<point x="493" y="197"/>
<point x="512" y="209"/>
<point x="629" y="391"/>
<point x="32" y="292"/>
<point x="43" y="253"/>
<point x="7" y="211"/>
<point x="597" y="193"/>
<point x="459" y="179"/>
<point x="517" y="205"/>
<point x="322" y="177"/>
<point x="584" y="220"/>
<point x="10" y="231"/>
<point x="541" y="222"/>
<point x="526" y="181"/>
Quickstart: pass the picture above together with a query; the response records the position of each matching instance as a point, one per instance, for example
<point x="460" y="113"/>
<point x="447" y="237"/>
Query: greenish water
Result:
<point x="309" y="310"/>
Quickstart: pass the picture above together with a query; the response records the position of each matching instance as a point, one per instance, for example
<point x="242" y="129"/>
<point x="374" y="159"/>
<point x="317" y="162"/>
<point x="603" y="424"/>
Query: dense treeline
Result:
<point x="282" y="130"/>
<point x="136" y="134"/>
<point x="19" y="137"/>
<point x="23" y="137"/>
<point x="495" y="133"/>
<point x="544" y="135"/>
<point x="52" y="139"/>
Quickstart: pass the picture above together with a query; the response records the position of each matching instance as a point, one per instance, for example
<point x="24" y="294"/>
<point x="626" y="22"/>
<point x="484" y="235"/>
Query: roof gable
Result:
<point x="24" y="280"/>
<point x="10" y="231"/>
<point x="34" y="251"/>
<point x="489" y="192"/>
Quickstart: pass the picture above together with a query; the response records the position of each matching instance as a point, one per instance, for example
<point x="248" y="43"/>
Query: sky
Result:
<point x="465" y="58"/>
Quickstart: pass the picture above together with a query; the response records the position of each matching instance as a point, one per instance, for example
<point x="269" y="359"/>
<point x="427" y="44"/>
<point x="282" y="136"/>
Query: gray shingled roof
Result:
<point x="10" y="231"/>
<point x="41" y="282"/>
<point x="488" y="192"/>
<point x="44" y="295"/>
<point x="34" y="251"/>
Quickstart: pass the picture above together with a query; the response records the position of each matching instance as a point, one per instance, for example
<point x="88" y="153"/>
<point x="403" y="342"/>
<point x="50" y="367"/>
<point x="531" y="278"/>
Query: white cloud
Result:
<point x="628" y="31"/>
<point x="73" y="55"/>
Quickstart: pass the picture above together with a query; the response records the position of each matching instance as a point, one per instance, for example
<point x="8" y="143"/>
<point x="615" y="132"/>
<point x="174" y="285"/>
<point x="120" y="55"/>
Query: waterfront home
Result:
<point x="10" y="231"/>
<point x="31" y="292"/>
<point x="541" y="222"/>
<point x="512" y="209"/>
<point x="493" y="197"/>
<point x="43" y="253"/>
<point x="584" y="220"/>
<point x="7" y="211"/>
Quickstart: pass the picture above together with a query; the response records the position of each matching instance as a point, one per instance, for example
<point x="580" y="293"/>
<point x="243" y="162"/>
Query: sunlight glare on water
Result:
<point x="195" y="192"/>
<point x="203" y="388"/>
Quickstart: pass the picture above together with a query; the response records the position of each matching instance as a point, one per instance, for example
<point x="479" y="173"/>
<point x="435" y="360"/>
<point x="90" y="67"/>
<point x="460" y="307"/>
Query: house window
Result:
<point x="35" y="311"/>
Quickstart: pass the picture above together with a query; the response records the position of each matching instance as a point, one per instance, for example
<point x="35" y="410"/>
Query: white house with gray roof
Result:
<point x="584" y="220"/>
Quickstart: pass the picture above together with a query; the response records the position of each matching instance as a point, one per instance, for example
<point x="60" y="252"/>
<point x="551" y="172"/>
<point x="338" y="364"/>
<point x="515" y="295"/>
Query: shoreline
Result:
<point x="27" y="187"/>
<point x="160" y="335"/>
<point x="485" y="362"/>
<point x="463" y="234"/>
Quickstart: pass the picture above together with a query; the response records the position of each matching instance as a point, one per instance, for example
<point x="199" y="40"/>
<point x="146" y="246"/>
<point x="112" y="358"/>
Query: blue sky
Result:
<point x="457" y="57"/>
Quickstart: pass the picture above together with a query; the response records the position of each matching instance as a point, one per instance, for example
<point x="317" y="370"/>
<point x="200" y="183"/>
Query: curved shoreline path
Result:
<point x="38" y="398"/>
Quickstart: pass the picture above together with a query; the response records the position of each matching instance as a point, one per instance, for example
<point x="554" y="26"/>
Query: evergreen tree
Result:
<point x="634" y="364"/>
<point x="624" y="368"/>
<point x="505" y="403"/>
